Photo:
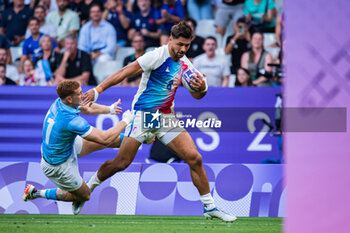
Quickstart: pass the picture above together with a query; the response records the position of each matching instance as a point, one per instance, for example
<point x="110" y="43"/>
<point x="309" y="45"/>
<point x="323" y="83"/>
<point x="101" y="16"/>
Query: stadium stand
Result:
<point x="124" y="52"/>
<point x="103" y="70"/>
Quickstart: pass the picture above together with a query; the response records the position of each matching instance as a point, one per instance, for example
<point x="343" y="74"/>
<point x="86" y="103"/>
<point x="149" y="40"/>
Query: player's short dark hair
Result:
<point x="66" y="88"/>
<point x="211" y="38"/>
<point x="182" y="29"/>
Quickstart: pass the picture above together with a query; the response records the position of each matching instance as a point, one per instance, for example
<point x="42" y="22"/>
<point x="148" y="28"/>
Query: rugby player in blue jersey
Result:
<point x="161" y="70"/>
<point x="67" y="136"/>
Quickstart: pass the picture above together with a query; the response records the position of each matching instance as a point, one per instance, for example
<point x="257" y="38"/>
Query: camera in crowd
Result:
<point x="276" y="73"/>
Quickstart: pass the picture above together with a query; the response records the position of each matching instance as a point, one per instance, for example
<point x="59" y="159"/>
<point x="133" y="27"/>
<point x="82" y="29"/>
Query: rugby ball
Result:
<point x="187" y="78"/>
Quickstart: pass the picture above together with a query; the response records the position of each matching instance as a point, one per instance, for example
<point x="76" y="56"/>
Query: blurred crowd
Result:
<point x="236" y="43"/>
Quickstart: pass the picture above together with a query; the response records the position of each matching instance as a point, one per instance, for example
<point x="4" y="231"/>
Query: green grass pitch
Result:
<point x="133" y="224"/>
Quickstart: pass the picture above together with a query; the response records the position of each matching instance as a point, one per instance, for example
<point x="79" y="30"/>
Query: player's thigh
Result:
<point x="89" y="147"/>
<point x="65" y="176"/>
<point x="83" y="193"/>
<point x="184" y="146"/>
<point x="128" y="150"/>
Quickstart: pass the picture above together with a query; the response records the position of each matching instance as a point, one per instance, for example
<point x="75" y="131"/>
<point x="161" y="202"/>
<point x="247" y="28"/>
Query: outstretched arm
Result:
<point x="110" y="136"/>
<point x="95" y="109"/>
<point x="133" y="69"/>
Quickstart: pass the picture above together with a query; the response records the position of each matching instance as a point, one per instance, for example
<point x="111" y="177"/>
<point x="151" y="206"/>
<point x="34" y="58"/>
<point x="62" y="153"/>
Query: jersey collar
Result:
<point x="67" y="108"/>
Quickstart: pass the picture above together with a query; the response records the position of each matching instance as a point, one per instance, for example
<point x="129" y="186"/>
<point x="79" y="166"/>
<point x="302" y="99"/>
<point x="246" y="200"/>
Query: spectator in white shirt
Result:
<point x="215" y="66"/>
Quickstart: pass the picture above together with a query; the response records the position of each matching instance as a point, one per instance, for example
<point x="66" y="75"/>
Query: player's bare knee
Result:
<point x="194" y="159"/>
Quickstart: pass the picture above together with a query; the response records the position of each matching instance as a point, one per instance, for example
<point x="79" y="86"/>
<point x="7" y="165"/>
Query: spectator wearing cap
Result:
<point x="14" y="22"/>
<point x="238" y="43"/>
<point x="98" y="37"/>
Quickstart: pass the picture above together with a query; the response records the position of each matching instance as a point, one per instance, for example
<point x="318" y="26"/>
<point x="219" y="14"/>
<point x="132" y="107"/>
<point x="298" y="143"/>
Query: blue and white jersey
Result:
<point x="61" y="126"/>
<point x="160" y="80"/>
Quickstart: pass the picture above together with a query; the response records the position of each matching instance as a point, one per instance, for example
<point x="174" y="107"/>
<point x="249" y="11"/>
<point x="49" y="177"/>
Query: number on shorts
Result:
<point x="48" y="130"/>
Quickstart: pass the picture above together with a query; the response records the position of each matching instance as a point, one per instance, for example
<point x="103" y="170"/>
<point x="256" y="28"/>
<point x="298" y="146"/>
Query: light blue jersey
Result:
<point x="61" y="126"/>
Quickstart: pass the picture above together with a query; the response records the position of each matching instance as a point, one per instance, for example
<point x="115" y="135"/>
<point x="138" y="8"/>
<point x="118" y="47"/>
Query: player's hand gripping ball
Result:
<point x="187" y="78"/>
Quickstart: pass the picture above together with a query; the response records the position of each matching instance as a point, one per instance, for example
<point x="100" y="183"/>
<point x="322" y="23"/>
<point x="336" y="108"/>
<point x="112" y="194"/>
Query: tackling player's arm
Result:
<point x="133" y="69"/>
<point x="107" y="138"/>
<point x="95" y="109"/>
<point x="199" y="83"/>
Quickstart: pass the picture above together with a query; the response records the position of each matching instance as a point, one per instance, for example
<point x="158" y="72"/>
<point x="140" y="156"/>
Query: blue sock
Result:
<point x="121" y="138"/>
<point x="51" y="194"/>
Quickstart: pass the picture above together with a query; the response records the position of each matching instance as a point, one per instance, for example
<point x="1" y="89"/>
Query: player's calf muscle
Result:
<point x="63" y="195"/>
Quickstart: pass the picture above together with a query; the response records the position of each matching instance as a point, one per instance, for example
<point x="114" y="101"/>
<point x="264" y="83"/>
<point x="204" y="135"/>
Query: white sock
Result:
<point x="40" y="193"/>
<point x="93" y="182"/>
<point x="208" y="201"/>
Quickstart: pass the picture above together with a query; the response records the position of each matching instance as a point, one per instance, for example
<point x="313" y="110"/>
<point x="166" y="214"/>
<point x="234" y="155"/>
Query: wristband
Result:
<point x="111" y="109"/>
<point x="96" y="95"/>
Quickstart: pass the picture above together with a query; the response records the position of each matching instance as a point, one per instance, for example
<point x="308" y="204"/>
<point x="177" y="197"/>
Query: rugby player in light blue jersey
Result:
<point x="162" y="71"/>
<point x="66" y="136"/>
